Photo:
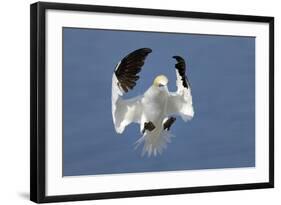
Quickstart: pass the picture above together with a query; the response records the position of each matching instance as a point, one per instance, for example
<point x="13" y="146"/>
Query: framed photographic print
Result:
<point x="129" y="102"/>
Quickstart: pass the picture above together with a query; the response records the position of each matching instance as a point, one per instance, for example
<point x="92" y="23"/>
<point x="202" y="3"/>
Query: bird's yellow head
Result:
<point x="160" y="80"/>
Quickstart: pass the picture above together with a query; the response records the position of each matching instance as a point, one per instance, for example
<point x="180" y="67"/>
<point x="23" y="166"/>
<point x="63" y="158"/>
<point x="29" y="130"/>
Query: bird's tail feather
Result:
<point x="154" y="145"/>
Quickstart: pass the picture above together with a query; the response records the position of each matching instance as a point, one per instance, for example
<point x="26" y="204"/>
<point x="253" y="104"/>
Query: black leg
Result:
<point x="148" y="126"/>
<point x="167" y="125"/>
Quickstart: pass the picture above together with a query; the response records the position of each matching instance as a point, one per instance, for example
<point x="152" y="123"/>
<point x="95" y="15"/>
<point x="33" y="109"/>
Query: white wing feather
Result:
<point x="180" y="102"/>
<point x="124" y="111"/>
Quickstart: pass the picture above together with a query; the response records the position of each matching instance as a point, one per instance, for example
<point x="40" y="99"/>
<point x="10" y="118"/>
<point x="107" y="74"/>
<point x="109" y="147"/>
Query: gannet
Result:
<point x="156" y="110"/>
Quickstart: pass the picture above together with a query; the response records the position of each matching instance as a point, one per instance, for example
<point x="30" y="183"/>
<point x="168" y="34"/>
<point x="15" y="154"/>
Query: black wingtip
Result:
<point x="178" y="58"/>
<point x="146" y="50"/>
<point x="180" y="66"/>
<point x="128" y="68"/>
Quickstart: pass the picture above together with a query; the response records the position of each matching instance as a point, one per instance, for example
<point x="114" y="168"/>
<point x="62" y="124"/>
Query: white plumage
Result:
<point x="156" y="109"/>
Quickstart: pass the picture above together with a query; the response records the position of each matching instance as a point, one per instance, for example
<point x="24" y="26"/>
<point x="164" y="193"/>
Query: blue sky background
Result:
<point x="221" y="70"/>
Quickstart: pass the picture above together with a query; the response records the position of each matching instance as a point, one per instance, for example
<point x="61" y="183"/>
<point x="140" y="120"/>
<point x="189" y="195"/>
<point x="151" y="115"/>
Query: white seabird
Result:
<point x="156" y="109"/>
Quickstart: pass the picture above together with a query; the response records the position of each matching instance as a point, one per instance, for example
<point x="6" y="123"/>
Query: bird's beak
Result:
<point x="161" y="85"/>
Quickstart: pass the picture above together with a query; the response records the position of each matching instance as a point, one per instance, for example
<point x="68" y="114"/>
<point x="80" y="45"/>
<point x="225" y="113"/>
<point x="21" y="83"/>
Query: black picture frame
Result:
<point x="38" y="101"/>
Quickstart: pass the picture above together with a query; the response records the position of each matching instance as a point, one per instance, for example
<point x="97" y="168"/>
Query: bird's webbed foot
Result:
<point x="148" y="126"/>
<point x="167" y="125"/>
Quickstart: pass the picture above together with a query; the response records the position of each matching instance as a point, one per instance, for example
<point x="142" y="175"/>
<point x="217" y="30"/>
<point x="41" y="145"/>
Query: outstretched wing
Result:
<point x="180" y="102"/>
<point x="127" y="69"/>
<point x="124" y="79"/>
